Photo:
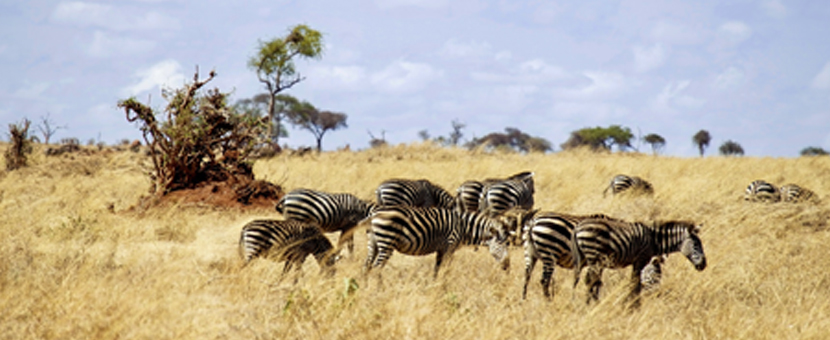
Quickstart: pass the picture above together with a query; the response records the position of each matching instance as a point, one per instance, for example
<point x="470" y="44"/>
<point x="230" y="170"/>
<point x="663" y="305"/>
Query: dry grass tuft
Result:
<point x="78" y="263"/>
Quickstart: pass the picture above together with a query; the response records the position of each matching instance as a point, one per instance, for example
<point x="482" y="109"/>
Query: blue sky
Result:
<point x="753" y="71"/>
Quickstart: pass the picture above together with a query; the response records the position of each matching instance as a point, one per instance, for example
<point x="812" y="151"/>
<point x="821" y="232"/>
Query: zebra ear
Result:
<point x="696" y="228"/>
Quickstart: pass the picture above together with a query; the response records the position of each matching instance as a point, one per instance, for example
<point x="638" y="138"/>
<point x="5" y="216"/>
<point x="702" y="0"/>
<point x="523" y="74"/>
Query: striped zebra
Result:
<point x="288" y="241"/>
<point x="423" y="231"/>
<point x="600" y="243"/>
<point x="547" y="237"/>
<point x="468" y="194"/>
<point x="413" y="193"/>
<point x="762" y="191"/>
<point x="794" y="193"/>
<point x="501" y="196"/>
<point x="622" y="183"/>
<point x="330" y="212"/>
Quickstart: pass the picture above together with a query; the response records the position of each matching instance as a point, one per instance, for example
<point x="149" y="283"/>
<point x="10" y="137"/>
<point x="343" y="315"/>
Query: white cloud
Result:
<point x="672" y="95"/>
<point x="603" y="85"/>
<point x="730" y="78"/>
<point x="646" y="59"/>
<point x="822" y="79"/>
<point x="472" y="49"/>
<point x="774" y="8"/>
<point x="735" y="32"/>
<point x="111" y="17"/>
<point x="105" y="45"/>
<point x="530" y="71"/>
<point x="428" y="4"/>
<point x="348" y="78"/>
<point x="163" y="74"/>
<point x="32" y="91"/>
<point x="405" y="77"/>
<point x="676" y="33"/>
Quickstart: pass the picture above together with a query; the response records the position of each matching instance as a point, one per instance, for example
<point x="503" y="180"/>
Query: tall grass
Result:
<point x="78" y="263"/>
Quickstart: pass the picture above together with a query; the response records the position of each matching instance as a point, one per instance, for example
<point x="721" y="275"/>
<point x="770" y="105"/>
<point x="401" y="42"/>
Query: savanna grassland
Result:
<point x="80" y="262"/>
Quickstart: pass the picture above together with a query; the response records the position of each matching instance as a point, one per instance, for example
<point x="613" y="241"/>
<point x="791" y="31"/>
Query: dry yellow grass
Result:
<point x="73" y="268"/>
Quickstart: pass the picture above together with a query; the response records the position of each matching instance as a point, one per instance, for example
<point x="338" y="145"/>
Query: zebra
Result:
<point x="468" y="194"/>
<point x="288" y="241"/>
<point x="621" y="183"/>
<point x="414" y="193"/>
<point x="547" y="237"/>
<point x="794" y="193"/>
<point x="330" y="212"/>
<point x="760" y="190"/>
<point x="423" y="231"/>
<point x="501" y="196"/>
<point x="601" y="243"/>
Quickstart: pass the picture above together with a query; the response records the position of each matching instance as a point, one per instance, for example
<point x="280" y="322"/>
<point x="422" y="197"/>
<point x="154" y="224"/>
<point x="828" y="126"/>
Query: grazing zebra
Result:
<point x="501" y="196"/>
<point x="621" y="183"/>
<point x="469" y="193"/>
<point x="413" y="193"/>
<point x="760" y="191"/>
<point x="795" y="194"/>
<point x="331" y="212"/>
<point x="288" y="241"/>
<point x="423" y="231"/>
<point x="601" y="243"/>
<point x="547" y="237"/>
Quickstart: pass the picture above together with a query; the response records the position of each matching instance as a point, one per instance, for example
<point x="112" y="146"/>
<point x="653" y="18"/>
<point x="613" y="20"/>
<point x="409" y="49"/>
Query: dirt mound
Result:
<point x="254" y="195"/>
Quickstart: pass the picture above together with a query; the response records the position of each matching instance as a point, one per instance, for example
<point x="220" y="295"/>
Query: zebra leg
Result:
<point x="636" y="284"/>
<point x="547" y="276"/>
<point x="371" y="253"/>
<point x="530" y="262"/>
<point x="348" y="238"/>
<point x="593" y="279"/>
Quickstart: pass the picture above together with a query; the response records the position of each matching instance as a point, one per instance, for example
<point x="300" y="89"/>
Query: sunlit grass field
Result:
<point x="79" y="263"/>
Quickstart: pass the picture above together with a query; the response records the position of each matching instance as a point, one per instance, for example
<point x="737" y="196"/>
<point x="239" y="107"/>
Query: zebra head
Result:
<point x="498" y="240"/>
<point x="692" y="247"/>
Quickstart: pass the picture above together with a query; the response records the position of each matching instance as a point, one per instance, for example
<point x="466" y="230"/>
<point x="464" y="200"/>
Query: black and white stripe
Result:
<point x="330" y="212"/>
<point x="794" y="193"/>
<point x="502" y="196"/>
<point x="423" y="231"/>
<point x="762" y="191"/>
<point x="413" y="193"/>
<point x="547" y="237"/>
<point x="623" y="183"/>
<point x="288" y="241"/>
<point x="469" y="193"/>
<point x="652" y="273"/>
<point x="599" y="244"/>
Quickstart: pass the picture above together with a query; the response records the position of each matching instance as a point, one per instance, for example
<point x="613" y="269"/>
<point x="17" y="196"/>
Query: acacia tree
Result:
<point x="48" y="128"/>
<point x="813" y="151"/>
<point x="456" y="134"/>
<point x="275" y="69"/>
<point x="656" y="141"/>
<point x="512" y="138"/>
<point x="599" y="138"/>
<point x="731" y="148"/>
<point x="317" y="122"/>
<point x="702" y="139"/>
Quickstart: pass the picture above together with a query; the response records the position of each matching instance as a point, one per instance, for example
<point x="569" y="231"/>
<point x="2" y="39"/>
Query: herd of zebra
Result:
<point x="763" y="191"/>
<point x="417" y="217"/>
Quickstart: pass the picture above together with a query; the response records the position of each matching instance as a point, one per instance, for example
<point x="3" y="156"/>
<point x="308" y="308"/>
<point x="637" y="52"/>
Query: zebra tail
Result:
<point x="577" y="257"/>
